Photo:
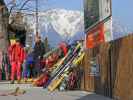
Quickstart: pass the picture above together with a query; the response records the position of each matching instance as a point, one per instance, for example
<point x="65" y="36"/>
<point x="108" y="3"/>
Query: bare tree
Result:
<point x="16" y="8"/>
<point x="4" y="19"/>
<point x="6" y="11"/>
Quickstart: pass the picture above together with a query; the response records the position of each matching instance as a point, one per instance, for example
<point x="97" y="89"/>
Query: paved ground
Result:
<point x="33" y="93"/>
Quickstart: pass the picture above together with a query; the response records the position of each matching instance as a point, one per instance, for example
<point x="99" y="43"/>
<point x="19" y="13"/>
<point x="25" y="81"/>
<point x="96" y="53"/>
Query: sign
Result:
<point x="95" y="36"/>
<point x="94" y="67"/>
<point x="108" y="34"/>
<point x="96" y="11"/>
<point x="104" y="9"/>
<point x="91" y="12"/>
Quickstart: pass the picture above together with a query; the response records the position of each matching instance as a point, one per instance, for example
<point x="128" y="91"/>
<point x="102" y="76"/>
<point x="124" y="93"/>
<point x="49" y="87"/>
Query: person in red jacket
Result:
<point x="63" y="47"/>
<point x="17" y="56"/>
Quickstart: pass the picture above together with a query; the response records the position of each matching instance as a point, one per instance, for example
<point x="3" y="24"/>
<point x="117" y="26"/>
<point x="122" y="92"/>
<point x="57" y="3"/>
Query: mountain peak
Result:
<point x="66" y="23"/>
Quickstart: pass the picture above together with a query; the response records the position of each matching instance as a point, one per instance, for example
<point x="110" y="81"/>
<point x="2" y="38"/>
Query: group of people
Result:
<point x="24" y="63"/>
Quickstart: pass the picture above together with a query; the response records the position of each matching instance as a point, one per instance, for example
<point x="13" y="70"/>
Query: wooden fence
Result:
<point x="115" y="66"/>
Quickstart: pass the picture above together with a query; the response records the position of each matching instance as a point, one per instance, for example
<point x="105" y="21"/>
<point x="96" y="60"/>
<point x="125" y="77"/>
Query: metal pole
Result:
<point x="37" y="18"/>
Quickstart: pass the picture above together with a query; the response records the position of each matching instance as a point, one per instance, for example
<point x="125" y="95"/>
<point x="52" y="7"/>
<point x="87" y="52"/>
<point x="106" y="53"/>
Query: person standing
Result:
<point x="38" y="52"/>
<point x="6" y="65"/>
<point x="28" y="71"/>
<point x="16" y="60"/>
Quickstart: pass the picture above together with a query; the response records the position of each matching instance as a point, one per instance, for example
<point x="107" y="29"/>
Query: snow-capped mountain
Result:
<point x="66" y="23"/>
<point x="119" y="30"/>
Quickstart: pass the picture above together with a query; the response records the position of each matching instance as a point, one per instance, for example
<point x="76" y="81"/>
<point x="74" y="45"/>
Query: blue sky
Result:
<point x="67" y="4"/>
<point x="122" y="11"/>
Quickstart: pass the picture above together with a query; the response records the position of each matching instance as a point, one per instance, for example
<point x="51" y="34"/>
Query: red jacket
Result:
<point x="63" y="47"/>
<point x="16" y="53"/>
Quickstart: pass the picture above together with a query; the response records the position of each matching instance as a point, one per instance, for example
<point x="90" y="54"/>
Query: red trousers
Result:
<point x="15" y="70"/>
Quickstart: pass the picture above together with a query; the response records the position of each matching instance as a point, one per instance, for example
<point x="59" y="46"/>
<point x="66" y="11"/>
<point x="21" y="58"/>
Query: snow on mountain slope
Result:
<point x="66" y="23"/>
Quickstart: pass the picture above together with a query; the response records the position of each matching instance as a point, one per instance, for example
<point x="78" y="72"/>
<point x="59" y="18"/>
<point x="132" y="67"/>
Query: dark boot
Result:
<point x="12" y="82"/>
<point x="18" y="81"/>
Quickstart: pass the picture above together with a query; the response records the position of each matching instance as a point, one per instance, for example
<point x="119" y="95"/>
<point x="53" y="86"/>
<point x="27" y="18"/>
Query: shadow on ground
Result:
<point x="93" y="97"/>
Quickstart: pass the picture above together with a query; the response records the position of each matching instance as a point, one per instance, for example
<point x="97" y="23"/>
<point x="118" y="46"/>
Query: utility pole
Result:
<point x="37" y="34"/>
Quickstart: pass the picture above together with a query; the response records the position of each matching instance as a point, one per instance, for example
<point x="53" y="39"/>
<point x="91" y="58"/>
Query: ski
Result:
<point x="59" y="78"/>
<point x="64" y="65"/>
